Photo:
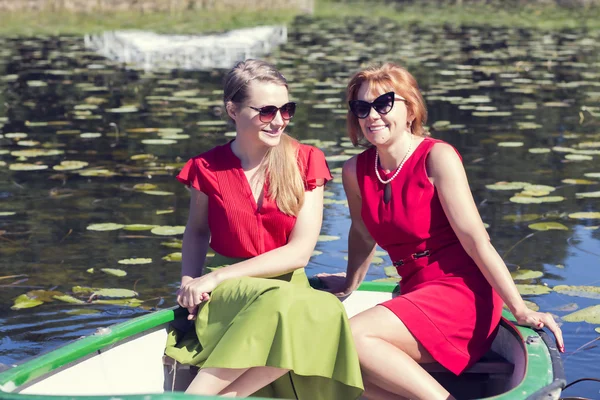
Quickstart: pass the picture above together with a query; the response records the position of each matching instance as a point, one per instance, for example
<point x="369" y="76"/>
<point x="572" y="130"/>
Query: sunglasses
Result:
<point x="383" y="105"/>
<point x="267" y="113"/>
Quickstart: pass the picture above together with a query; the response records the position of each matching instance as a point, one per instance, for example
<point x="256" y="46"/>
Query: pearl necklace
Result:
<point x="397" y="169"/>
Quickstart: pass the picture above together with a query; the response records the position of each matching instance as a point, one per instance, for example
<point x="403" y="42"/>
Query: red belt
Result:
<point x="411" y="258"/>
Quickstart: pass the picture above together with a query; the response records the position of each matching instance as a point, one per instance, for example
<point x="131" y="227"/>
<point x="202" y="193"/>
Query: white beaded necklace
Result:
<point x="397" y="169"/>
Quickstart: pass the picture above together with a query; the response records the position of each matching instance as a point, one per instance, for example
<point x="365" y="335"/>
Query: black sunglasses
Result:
<point x="267" y="113"/>
<point x="383" y="105"/>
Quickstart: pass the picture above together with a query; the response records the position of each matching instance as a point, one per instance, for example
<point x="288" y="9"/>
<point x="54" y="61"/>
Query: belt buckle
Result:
<point x="412" y="257"/>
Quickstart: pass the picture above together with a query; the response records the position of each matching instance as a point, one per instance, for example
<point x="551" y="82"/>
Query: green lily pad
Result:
<point x="521" y="217"/>
<point x="592" y="175"/>
<point x="211" y="123"/>
<point x="172" y="257"/>
<point x="108" y="226"/>
<point x="7" y="213"/>
<point x="123" y="110"/>
<point x="508" y="185"/>
<point x="138" y="227"/>
<point x="114" y="271"/>
<point x="135" y="261"/>
<point x="121" y="302"/>
<point x="175" y="244"/>
<point x="547" y="226"/>
<point x="316" y="253"/>
<point x="157" y="192"/>
<point x="391" y="271"/>
<point x="578" y="157"/>
<point x="24" y="301"/>
<point x="578" y="182"/>
<point x="69" y="299"/>
<point x="585" y="215"/>
<point x="168" y="230"/>
<point x="70" y="165"/>
<point x="587" y="195"/>
<point x="144" y="186"/>
<point x="589" y="314"/>
<point x="339" y="157"/>
<point x="526" y="274"/>
<point x="597" y="329"/>
<point x="82" y="311"/>
<point x="26" y="167"/>
<point x="159" y="141"/>
<point x="537" y="150"/>
<point x="510" y="144"/>
<point x="591" y="292"/>
<point x="533" y="289"/>
<point x="115" y="293"/>
<point x="327" y="238"/>
<point x="97" y="172"/>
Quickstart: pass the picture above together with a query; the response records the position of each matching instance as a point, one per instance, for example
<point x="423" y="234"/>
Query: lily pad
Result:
<point x="585" y="215"/>
<point x="175" y="244"/>
<point x="158" y="193"/>
<point x="7" y="213"/>
<point x="173" y="257"/>
<point x="114" y="271"/>
<point x="592" y="175"/>
<point x="533" y="289"/>
<point x="537" y="150"/>
<point x="108" y="226"/>
<point x="159" y="141"/>
<point x="70" y="165"/>
<point x="587" y="195"/>
<point x="26" y="167"/>
<point x="510" y="144"/>
<point x="526" y="274"/>
<point x="138" y="227"/>
<point x="69" y="299"/>
<point x="578" y="182"/>
<point x="121" y="302"/>
<point x="168" y="230"/>
<point x="508" y="185"/>
<point x="24" y="301"/>
<point x="547" y="226"/>
<point x="327" y="238"/>
<point x="115" y="293"/>
<point x="591" y="292"/>
<point x="590" y="315"/>
<point x="135" y="261"/>
<point x="391" y="271"/>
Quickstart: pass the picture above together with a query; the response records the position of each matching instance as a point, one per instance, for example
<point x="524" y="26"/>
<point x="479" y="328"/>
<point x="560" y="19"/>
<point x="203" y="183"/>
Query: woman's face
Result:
<point x="248" y="121"/>
<point x="382" y="129"/>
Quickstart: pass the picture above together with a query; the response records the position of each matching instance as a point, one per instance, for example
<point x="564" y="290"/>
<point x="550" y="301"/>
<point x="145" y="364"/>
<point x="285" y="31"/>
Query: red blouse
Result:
<point x="237" y="226"/>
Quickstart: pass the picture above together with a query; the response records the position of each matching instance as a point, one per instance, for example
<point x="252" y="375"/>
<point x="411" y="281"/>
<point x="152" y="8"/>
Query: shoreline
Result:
<point x="541" y="17"/>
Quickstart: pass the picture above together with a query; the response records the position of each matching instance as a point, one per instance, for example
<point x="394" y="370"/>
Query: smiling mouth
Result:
<point x="377" y="128"/>
<point x="273" y="133"/>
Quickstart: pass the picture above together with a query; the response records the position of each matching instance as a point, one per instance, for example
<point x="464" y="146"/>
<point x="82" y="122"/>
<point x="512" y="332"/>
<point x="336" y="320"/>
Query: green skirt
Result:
<point x="280" y="322"/>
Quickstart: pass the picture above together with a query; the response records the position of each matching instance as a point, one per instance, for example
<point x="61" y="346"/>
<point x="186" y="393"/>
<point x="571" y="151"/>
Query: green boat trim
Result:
<point x="538" y="357"/>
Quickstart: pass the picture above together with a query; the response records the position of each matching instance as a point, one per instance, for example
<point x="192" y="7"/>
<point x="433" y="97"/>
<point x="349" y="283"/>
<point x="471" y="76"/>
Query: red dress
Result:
<point x="446" y="302"/>
<point x="238" y="228"/>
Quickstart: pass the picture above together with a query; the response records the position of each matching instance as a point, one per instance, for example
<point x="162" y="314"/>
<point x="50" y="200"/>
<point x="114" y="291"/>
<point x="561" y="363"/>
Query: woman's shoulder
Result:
<point x="210" y="157"/>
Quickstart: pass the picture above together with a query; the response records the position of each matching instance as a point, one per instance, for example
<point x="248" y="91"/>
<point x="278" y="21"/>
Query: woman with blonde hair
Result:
<point x="409" y="194"/>
<point x="258" y="202"/>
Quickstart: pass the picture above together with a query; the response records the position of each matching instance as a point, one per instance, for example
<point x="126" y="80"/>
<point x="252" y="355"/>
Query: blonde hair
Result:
<point x="280" y="166"/>
<point x="388" y="76"/>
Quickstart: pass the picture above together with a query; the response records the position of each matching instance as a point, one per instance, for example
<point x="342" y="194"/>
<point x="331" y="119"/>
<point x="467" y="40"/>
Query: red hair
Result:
<point x="390" y="77"/>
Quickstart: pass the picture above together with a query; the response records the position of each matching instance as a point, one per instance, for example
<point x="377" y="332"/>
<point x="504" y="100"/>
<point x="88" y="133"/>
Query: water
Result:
<point x="53" y="90"/>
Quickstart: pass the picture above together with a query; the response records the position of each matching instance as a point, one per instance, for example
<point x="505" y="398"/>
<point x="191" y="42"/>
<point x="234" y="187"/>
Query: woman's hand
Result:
<point x="538" y="320"/>
<point x="191" y="294"/>
<point x="335" y="283"/>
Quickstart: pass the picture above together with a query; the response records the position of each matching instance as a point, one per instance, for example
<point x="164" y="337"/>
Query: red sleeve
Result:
<point x="316" y="171"/>
<point x="191" y="174"/>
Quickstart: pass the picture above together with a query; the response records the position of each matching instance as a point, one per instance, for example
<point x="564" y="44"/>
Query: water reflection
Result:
<point x="482" y="86"/>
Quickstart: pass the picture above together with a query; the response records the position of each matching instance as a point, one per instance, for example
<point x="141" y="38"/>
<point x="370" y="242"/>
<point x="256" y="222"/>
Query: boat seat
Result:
<point x="491" y="363"/>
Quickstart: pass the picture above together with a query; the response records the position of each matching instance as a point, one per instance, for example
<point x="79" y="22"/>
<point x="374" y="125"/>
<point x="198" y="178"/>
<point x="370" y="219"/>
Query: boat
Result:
<point x="126" y="361"/>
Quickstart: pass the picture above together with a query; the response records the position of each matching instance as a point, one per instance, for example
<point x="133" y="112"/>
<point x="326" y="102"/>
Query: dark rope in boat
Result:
<point x="573" y="383"/>
<point x="293" y="387"/>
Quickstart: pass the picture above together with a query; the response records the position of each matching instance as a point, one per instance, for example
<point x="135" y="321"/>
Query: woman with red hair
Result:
<point x="409" y="194"/>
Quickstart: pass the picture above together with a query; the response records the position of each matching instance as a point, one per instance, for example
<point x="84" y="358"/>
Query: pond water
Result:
<point x="520" y="106"/>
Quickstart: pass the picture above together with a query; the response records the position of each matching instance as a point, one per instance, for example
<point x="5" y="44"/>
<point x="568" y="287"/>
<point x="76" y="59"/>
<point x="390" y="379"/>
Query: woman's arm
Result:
<point x="447" y="174"/>
<point x="295" y="254"/>
<point x="195" y="246"/>
<point x="361" y="246"/>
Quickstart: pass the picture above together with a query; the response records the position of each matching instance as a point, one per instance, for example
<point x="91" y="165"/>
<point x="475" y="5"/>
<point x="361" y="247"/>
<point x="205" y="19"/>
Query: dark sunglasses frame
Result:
<point x="267" y="114"/>
<point x="380" y="104"/>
